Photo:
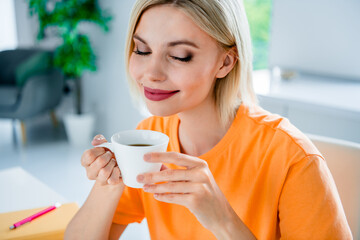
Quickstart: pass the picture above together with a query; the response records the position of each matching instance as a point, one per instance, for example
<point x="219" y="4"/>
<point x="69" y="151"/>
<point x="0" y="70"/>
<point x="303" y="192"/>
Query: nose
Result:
<point x="155" y="70"/>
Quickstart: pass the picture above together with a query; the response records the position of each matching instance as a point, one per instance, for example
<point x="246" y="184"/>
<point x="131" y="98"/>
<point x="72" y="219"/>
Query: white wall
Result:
<point x="321" y="37"/>
<point x="8" y="37"/>
<point x="25" y="27"/>
<point x="105" y="91"/>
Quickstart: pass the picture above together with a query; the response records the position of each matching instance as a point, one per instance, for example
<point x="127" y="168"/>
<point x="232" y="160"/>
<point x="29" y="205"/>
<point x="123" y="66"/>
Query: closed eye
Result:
<point x="186" y="59"/>
<point x="141" y="53"/>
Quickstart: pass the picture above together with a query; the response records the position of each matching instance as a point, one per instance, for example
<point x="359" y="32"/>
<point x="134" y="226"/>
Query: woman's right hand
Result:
<point x="100" y="163"/>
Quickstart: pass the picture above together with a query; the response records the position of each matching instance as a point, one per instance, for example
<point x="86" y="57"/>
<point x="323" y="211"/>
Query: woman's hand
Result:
<point x="100" y="164"/>
<point x="195" y="188"/>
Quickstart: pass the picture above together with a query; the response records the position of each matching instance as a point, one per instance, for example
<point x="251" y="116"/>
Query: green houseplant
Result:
<point x="75" y="54"/>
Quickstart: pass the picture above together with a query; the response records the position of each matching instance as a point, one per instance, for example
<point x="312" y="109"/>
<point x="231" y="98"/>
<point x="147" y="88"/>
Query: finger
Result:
<point x="175" y="198"/>
<point x="98" y="139"/>
<point x="174" y="187"/>
<point x="115" y="176"/>
<point x="99" y="163"/>
<point x="166" y="175"/>
<point x="174" y="158"/>
<point x="90" y="156"/>
<point x="106" y="171"/>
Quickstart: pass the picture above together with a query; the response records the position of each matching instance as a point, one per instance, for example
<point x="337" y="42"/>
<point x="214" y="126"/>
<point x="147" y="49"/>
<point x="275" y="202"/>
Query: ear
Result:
<point x="228" y="63"/>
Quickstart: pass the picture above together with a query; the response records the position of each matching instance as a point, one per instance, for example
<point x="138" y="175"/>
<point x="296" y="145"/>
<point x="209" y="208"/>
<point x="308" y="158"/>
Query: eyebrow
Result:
<point x="170" y="44"/>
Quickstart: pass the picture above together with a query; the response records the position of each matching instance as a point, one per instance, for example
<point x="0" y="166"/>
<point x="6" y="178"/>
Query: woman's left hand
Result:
<point x="193" y="187"/>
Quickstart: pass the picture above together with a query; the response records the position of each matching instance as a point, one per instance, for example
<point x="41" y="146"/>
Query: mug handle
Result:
<point x="106" y="145"/>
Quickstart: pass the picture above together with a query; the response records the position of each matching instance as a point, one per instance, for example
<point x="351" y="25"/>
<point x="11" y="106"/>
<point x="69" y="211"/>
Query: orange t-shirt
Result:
<point x="272" y="175"/>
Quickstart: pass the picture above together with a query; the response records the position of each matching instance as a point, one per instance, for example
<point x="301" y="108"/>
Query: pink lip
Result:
<point x="158" y="94"/>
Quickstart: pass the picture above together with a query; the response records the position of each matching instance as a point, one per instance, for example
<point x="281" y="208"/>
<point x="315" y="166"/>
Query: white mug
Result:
<point x="130" y="158"/>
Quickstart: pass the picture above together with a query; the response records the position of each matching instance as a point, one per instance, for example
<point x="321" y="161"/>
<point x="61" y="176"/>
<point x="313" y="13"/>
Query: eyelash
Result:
<point x="141" y="53"/>
<point x="186" y="59"/>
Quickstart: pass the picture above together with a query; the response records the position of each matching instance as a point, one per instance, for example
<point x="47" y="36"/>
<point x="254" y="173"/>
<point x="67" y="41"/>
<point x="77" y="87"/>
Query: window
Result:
<point x="258" y="13"/>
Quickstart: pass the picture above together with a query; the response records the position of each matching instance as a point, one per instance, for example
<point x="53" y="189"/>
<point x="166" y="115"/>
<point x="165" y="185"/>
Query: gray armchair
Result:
<point x="29" y="85"/>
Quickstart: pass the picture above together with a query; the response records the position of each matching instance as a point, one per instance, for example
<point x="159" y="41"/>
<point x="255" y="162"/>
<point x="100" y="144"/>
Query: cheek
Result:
<point x="134" y="68"/>
<point x="200" y="78"/>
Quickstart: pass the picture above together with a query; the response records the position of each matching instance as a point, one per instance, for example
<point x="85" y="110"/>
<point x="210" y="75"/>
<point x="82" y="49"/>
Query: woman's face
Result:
<point x="174" y="62"/>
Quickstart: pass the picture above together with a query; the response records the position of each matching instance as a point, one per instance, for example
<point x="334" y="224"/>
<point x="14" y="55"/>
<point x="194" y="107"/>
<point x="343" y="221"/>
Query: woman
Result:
<point x="232" y="170"/>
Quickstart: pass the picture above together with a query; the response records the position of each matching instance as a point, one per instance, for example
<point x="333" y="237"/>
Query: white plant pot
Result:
<point x="79" y="129"/>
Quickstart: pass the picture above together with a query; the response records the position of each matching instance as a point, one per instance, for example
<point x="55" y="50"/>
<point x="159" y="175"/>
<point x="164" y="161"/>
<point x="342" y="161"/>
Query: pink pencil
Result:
<point x="36" y="215"/>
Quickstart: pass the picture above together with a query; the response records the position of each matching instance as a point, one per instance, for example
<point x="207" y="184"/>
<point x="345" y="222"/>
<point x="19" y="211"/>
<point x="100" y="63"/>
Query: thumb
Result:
<point x="98" y="139"/>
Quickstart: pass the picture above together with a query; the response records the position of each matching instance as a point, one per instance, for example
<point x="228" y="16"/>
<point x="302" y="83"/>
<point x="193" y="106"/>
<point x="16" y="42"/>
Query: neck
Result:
<point x="200" y="130"/>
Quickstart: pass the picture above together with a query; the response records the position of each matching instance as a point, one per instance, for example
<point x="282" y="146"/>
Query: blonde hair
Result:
<point x="226" y="22"/>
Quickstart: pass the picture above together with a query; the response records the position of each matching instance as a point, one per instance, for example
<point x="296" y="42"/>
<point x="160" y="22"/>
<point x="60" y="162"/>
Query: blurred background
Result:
<point x="62" y="80"/>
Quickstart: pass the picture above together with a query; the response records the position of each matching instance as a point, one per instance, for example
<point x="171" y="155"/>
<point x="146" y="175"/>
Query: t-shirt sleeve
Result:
<point x="309" y="205"/>
<point x="130" y="207"/>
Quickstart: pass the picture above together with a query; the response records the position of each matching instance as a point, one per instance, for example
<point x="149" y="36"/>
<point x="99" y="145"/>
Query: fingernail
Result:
<point x="99" y="137"/>
<point x="140" y="178"/>
<point x="147" y="156"/>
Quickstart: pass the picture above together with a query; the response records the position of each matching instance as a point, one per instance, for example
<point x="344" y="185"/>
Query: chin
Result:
<point x="161" y="111"/>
